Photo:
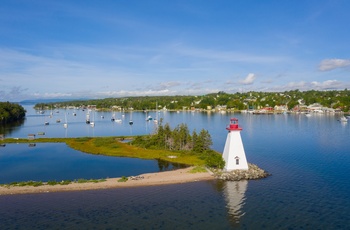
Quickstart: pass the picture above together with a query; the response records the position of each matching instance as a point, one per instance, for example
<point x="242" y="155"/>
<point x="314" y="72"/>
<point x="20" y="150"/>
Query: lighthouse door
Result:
<point x="237" y="160"/>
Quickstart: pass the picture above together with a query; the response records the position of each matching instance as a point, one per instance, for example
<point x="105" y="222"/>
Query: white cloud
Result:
<point x="249" y="80"/>
<point x="304" y="86"/>
<point x="169" y="84"/>
<point x="329" y="84"/>
<point x="52" y="95"/>
<point x="330" y="64"/>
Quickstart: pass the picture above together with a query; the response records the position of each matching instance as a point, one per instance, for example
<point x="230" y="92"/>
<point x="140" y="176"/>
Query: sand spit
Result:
<point x="160" y="178"/>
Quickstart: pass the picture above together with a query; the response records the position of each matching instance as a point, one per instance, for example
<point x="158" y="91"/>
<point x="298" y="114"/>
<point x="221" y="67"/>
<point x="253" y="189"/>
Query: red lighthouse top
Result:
<point x="233" y="125"/>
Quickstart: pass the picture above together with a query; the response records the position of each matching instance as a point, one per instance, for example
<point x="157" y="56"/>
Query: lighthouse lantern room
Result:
<point x="234" y="154"/>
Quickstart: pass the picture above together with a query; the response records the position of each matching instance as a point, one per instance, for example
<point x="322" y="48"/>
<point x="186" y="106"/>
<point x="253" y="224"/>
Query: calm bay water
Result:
<point x="56" y="161"/>
<point x="308" y="157"/>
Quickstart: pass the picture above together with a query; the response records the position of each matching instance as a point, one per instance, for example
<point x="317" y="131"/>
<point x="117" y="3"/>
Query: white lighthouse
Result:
<point x="234" y="154"/>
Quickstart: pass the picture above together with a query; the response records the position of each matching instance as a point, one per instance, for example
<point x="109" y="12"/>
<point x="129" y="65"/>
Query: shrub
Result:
<point x="65" y="182"/>
<point x="123" y="179"/>
<point x="52" y="182"/>
<point x="214" y="160"/>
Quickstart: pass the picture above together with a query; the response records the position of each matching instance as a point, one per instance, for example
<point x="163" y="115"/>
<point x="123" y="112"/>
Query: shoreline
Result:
<point x="178" y="176"/>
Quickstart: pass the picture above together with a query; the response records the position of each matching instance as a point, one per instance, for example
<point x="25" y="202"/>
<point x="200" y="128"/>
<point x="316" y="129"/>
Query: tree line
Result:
<point x="10" y="112"/>
<point x="180" y="139"/>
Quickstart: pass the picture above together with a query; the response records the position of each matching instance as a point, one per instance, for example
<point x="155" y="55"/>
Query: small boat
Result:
<point x="92" y="123"/>
<point x="58" y="120"/>
<point x="149" y="118"/>
<point x="131" y="121"/>
<point x="87" y="121"/>
<point x="41" y="133"/>
<point x="308" y="114"/>
<point x="2" y="145"/>
<point x="65" y="125"/>
<point x="47" y="123"/>
<point x="343" y="119"/>
<point x="118" y="120"/>
<point x="32" y="145"/>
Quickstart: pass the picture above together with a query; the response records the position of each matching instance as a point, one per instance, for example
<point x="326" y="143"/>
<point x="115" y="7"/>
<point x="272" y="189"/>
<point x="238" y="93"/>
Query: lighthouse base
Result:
<point x="253" y="173"/>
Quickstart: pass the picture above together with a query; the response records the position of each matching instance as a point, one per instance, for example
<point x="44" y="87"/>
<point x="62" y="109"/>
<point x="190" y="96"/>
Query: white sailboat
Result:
<point x="46" y="122"/>
<point x="87" y="118"/>
<point x="92" y="123"/>
<point x="156" y="119"/>
<point x="65" y="125"/>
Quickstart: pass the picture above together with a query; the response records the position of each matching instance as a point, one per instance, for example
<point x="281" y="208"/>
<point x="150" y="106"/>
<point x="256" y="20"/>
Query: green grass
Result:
<point x="25" y="183"/>
<point x="123" y="179"/>
<point x="51" y="182"/>
<point x="198" y="169"/>
<point x="81" y="181"/>
<point x="111" y="146"/>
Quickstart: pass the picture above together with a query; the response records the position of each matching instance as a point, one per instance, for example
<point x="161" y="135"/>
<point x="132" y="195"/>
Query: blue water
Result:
<point x="56" y="161"/>
<point x="308" y="157"/>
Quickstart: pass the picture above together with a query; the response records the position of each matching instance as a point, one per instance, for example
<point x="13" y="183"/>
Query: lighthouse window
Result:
<point x="237" y="161"/>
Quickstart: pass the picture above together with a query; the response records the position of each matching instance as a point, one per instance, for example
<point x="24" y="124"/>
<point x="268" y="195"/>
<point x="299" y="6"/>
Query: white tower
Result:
<point x="234" y="154"/>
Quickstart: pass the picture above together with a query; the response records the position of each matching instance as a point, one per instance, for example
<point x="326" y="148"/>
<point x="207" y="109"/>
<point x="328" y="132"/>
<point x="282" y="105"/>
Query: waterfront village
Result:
<point x="277" y="109"/>
<point x="250" y="102"/>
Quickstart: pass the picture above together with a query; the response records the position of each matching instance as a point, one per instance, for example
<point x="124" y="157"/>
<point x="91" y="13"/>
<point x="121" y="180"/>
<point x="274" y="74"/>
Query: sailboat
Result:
<point x="93" y="119"/>
<point x="87" y="118"/>
<point x="131" y="121"/>
<point x="149" y="118"/>
<point x="65" y="125"/>
<point x="46" y="122"/>
<point x="113" y="116"/>
<point x="156" y="119"/>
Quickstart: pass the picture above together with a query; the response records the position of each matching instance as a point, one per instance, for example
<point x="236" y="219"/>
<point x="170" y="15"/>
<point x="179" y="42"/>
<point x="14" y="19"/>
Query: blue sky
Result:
<point x="117" y="48"/>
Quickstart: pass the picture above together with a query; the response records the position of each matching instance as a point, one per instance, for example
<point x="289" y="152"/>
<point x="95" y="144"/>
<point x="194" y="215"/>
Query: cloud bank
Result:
<point x="331" y="64"/>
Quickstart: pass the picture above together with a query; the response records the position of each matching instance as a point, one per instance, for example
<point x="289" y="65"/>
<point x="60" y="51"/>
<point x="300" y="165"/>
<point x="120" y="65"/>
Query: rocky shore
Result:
<point x="253" y="173"/>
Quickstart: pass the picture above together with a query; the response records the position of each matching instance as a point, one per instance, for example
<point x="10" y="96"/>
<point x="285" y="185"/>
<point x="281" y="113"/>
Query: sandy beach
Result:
<point x="148" y="179"/>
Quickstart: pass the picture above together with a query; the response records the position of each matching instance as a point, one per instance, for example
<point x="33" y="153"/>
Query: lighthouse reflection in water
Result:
<point x="234" y="192"/>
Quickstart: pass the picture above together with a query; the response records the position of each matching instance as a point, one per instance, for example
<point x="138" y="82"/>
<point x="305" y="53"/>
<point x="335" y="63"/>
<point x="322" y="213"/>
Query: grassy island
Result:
<point x="114" y="146"/>
<point x="173" y="145"/>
